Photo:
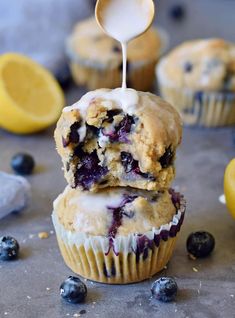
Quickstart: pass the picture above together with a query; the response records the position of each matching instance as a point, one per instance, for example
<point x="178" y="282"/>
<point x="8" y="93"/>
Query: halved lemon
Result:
<point x="30" y="97"/>
<point x="229" y="187"/>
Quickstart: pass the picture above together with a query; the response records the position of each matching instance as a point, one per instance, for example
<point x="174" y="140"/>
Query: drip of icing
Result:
<point x="124" y="58"/>
<point x="118" y="24"/>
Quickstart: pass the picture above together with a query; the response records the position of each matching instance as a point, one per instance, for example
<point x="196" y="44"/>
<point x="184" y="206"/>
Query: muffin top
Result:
<point x="132" y="135"/>
<point x="89" y="44"/>
<point x="113" y="211"/>
<point x="207" y="65"/>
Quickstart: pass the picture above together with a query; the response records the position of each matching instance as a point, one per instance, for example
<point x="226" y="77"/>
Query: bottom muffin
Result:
<point x="118" y="235"/>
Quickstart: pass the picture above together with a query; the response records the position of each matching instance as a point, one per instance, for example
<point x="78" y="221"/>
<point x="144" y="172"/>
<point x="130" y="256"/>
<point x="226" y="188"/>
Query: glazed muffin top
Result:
<point x="207" y="65"/>
<point x="119" y="138"/>
<point x="114" y="211"/>
<point x="89" y="44"/>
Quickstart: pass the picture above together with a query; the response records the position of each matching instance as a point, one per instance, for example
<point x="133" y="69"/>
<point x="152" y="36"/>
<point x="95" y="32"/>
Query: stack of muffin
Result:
<point x="117" y="220"/>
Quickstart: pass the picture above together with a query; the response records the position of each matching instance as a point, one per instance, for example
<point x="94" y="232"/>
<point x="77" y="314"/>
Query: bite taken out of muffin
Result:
<point x="112" y="146"/>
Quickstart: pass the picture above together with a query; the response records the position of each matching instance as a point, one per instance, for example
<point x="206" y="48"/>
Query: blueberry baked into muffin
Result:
<point x="96" y="59"/>
<point x="117" y="235"/>
<point x="108" y="140"/>
<point x="198" y="78"/>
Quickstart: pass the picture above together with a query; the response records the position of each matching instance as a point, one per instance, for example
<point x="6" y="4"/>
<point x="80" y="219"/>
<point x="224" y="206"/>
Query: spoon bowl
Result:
<point x="124" y="19"/>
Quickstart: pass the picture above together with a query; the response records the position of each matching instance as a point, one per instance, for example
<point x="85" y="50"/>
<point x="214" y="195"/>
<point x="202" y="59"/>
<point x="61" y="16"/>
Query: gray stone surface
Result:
<point x="29" y="287"/>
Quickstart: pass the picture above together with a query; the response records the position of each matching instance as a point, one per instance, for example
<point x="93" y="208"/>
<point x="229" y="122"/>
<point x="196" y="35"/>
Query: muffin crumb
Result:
<point x="43" y="235"/>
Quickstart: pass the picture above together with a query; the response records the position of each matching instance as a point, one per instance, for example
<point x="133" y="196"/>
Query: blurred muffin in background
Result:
<point x="96" y="59"/>
<point x="198" y="78"/>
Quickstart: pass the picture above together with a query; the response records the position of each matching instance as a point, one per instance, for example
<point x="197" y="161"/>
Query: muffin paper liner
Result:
<point x="124" y="259"/>
<point x="198" y="108"/>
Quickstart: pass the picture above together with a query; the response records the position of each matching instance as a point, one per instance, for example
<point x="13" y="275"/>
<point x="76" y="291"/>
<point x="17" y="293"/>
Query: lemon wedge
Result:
<point x="229" y="187"/>
<point x="30" y="97"/>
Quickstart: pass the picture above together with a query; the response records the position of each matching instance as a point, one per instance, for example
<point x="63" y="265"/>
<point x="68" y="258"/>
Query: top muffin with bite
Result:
<point x="107" y="139"/>
<point x="198" y="77"/>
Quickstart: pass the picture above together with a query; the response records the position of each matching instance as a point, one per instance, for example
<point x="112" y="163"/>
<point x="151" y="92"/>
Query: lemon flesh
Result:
<point x="30" y="97"/>
<point x="229" y="187"/>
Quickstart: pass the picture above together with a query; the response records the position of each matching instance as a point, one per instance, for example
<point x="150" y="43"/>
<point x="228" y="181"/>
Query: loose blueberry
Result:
<point x="73" y="290"/>
<point x="22" y="163"/>
<point x="200" y="244"/>
<point x="167" y="159"/>
<point x="63" y="76"/>
<point x="164" y="289"/>
<point x="9" y="248"/>
<point x="177" y="12"/>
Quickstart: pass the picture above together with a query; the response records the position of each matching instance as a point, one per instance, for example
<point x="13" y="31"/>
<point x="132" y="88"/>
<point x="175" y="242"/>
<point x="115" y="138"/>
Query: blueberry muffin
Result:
<point x="118" y="138"/>
<point x="198" y="77"/>
<point x="117" y="235"/>
<point x="96" y="59"/>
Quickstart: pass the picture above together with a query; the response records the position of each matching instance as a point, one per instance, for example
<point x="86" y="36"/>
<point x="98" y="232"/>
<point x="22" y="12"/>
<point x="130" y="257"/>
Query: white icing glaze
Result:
<point x="126" y="100"/>
<point x="103" y="140"/>
<point x="124" y="66"/>
<point x="93" y="203"/>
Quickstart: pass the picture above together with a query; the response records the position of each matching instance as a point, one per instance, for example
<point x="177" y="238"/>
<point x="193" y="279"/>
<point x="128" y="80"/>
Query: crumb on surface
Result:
<point x="195" y="269"/>
<point x="43" y="235"/>
<point x="192" y="257"/>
